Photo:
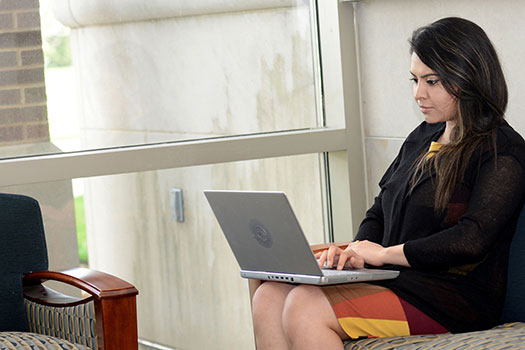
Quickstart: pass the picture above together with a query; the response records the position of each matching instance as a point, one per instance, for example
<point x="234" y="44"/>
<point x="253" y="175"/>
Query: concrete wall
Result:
<point x="388" y="109"/>
<point x="202" y="72"/>
<point x="191" y="295"/>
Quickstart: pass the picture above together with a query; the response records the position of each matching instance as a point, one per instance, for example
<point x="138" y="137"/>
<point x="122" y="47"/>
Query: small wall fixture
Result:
<point x="177" y="205"/>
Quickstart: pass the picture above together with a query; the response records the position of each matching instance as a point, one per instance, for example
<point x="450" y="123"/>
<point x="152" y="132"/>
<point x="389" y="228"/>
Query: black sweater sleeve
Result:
<point x="496" y="194"/>
<point x="372" y="227"/>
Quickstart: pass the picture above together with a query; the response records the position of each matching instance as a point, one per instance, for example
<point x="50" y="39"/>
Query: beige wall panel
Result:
<point x="385" y="27"/>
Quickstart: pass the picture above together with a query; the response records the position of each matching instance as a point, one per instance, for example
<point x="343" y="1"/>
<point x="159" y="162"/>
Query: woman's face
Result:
<point x="433" y="100"/>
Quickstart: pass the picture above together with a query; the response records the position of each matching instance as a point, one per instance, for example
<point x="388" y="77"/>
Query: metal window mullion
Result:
<point x="340" y="74"/>
<point x="45" y="168"/>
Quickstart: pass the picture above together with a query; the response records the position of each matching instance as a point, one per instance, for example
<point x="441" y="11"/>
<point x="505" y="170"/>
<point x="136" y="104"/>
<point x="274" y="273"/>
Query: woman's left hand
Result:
<point x="372" y="253"/>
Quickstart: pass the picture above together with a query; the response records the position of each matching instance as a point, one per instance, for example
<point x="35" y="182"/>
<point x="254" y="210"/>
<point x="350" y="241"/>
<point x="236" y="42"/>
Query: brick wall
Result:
<point x="23" y="110"/>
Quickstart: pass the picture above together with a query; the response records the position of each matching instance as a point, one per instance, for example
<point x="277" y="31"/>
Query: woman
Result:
<point x="445" y="215"/>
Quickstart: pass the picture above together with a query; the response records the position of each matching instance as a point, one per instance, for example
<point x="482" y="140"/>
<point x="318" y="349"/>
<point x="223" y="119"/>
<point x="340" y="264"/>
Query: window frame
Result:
<point x="340" y="140"/>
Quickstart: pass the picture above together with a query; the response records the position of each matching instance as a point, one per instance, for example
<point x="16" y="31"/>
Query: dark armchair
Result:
<point x="31" y="313"/>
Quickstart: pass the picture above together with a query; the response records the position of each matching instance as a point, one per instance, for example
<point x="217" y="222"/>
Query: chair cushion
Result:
<point x="388" y="343"/>
<point x="33" y="341"/>
<point x="508" y="336"/>
<point x="22" y="249"/>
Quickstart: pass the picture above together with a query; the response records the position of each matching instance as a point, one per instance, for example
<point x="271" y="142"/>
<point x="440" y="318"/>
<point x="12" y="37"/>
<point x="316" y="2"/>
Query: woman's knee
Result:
<point x="300" y="305"/>
<point x="306" y="309"/>
<point x="271" y="291"/>
<point x="269" y="298"/>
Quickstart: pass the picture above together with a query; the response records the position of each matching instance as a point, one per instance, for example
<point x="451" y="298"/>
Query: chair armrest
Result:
<point x="98" y="284"/>
<point x="320" y="247"/>
<point x="114" y="299"/>
<point x="40" y="294"/>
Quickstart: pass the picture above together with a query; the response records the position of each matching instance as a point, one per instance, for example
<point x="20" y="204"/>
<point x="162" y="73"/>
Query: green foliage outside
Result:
<point x="57" y="51"/>
<point x="81" y="230"/>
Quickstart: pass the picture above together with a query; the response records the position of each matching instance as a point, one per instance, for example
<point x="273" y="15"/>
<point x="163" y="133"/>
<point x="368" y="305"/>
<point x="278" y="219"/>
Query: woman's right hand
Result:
<point x="335" y="256"/>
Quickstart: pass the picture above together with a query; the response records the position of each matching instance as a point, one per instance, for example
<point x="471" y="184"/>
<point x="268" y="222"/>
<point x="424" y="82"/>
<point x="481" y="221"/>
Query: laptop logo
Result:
<point x="261" y="233"/>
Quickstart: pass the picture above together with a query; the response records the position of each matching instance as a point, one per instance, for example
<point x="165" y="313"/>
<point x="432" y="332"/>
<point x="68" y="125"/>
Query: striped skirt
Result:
<point x="370" y="311"/>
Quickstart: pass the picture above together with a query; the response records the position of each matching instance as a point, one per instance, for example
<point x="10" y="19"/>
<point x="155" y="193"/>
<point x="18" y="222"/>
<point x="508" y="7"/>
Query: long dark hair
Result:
<point x="462" y="55"/>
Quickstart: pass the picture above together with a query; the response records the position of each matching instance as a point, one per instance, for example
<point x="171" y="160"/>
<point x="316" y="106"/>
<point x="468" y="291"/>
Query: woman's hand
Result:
<point x="373" y="253"/>
<point x="342" y="258"/>
<point x="359" y="253"/>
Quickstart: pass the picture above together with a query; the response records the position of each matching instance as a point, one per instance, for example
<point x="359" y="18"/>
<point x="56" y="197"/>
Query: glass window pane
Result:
<point x="172" y="71"/>
<point x="56" y="201"/>
<point x="187" y="276"/>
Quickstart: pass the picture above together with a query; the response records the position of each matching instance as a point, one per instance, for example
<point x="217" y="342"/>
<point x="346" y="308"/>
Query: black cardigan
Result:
<point x="458" y="259"/>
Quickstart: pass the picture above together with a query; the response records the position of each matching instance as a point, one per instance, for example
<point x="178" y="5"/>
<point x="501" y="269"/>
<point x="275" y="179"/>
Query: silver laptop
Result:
<point x="268" y="242"/>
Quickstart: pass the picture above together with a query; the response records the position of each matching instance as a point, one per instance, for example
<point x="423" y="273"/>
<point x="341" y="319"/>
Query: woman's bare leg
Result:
<point x="309" y="321"/>
<point x="267" y="309"/>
